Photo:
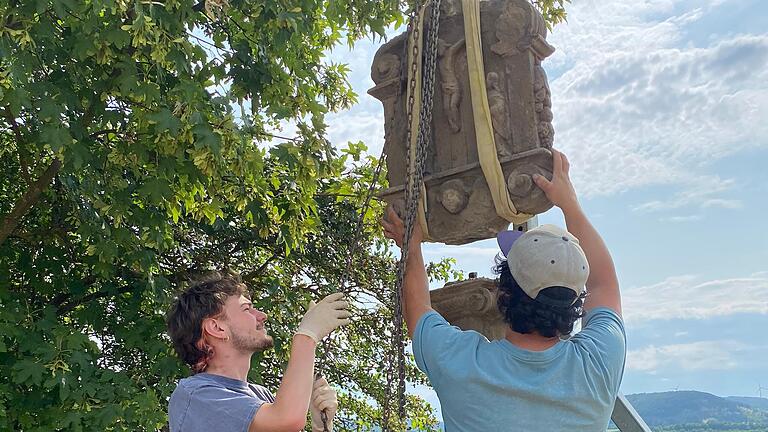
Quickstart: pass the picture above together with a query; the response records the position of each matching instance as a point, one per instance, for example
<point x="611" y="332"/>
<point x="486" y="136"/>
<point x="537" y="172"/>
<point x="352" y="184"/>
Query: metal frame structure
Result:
<point x="626" y="418"/>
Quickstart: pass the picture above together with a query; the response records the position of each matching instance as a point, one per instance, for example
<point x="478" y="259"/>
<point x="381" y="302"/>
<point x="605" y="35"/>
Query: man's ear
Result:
<point x="215" y="328"/>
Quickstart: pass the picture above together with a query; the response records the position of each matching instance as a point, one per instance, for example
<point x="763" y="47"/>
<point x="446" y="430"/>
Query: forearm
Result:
<point x="416" y="301"/>
<point x="292" y="398"/>
<point x="602" y="283"/>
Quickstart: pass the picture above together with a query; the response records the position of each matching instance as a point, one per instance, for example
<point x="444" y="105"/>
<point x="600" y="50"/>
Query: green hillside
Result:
<point x="754" y="402"/>
<point x="691" y="411"/>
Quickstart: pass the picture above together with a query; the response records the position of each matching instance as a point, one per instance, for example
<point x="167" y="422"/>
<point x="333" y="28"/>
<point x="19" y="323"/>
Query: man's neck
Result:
<point x="231" y="365"/>
<point x="530" y="341"/>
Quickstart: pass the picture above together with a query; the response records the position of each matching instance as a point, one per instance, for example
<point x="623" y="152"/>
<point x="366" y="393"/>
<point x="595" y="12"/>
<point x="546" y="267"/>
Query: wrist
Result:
<point x="570" y="207"/>
<point x="414" y="247"/>
<point x="306" y="336"/>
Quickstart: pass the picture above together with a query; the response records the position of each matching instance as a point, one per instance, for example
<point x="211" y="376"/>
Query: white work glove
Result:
<point x="323" y="398"/>
<point x="322" y="318"/>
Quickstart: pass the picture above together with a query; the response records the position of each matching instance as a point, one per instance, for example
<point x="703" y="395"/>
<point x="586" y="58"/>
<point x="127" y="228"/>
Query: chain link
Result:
<point x="413" y="32"/>
<point x="415" y="173"/>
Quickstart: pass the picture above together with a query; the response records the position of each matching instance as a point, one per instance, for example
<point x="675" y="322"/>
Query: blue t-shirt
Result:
<point x="497" y="386"/>
<point x="210" y="403"/>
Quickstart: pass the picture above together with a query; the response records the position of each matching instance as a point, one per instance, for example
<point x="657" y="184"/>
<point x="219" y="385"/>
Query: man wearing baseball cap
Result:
<point x="539" y="377"/>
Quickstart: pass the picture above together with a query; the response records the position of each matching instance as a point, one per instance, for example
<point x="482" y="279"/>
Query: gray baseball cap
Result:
<point x="543" y="257"/>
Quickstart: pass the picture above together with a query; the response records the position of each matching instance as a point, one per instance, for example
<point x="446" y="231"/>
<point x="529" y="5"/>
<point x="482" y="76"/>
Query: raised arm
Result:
<point x="289" y="411"/>
<point x="602" y="284"/>
<point x="416" y="300"/>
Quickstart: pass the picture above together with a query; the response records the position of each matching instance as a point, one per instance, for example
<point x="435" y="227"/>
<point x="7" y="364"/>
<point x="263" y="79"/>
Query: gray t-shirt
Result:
<point x="209" y="403"/>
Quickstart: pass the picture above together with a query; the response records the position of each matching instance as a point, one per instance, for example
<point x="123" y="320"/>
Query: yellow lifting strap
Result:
<point x="416" y="109"/>
<point x="486" y="147"/>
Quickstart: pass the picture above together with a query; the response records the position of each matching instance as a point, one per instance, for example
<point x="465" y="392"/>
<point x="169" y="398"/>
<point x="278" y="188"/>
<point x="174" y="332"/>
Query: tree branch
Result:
<point x="252" y="274"/>
<point x="70" y="306"/>
<point x="12" y="220"/>
<point x="20" y="144"/>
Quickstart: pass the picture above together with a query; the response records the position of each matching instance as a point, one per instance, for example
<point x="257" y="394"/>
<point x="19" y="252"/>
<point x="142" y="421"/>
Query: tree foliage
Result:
<point x="553" y="11"/>
<point x="137" y="152"/>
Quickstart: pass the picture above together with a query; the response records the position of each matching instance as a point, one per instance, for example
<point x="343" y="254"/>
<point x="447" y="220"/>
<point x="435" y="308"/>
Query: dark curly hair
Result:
<point x="203" y="299"/>
<point x="552" y="313"/>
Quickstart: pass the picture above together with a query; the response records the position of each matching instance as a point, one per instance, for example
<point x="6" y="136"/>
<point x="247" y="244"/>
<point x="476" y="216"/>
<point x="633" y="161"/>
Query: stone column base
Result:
<point x="471" y="305"/>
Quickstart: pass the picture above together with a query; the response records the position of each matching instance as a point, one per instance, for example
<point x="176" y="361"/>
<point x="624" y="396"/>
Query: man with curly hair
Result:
<point x="215" y="330"/>
<point x="539" y="377"/>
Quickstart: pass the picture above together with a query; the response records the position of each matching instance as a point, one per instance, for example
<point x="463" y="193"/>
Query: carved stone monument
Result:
<point x="459" y="206"/>
<point x="471" y="305"/>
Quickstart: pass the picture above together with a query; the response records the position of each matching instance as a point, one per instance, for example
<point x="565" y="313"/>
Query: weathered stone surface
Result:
<point x="459" y="205"/>
<point x="471" y="305"/>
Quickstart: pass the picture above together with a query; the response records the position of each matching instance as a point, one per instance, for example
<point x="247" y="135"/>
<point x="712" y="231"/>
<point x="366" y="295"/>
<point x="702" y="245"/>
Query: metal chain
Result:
<point x="413" y="31"/>
<point x="415" y="171"/>
<point x="350" y="259"/>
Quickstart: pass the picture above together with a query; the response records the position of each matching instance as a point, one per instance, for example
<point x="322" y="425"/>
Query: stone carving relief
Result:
<point x="449" y="84"/>
<point x="459" y="207"/>
<point x="453" y="196"/>
<point x="497" y="102"/>
<point x="543" y="107"/>
<point x="509" y="32"/>
<point x="387" y="67"/>
<point x="471" y="305"/>
<point x="449" y="8"/>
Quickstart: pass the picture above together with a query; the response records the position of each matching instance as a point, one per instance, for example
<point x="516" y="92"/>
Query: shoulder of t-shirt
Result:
<point x="191" y="382"/>
<point x="428" y="315"/>
<point x="199" y="382"/>
<point x="437" y="343"/>
<point x="433" y="319"/>
<point x="602" y="313"/>
<point x="600" y="324"/>
<point x="188" y="387"/>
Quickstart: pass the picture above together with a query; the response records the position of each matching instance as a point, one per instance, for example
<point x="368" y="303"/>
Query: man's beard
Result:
<point x="251" y="343"/>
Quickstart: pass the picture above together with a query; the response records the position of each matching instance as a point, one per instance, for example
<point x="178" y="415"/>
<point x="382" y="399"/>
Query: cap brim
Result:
<point x="506" y="239"/>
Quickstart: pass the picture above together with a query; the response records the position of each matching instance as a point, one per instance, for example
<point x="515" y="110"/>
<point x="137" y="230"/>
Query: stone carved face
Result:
<point x="449" y="8"/>
<point x="492" y="80"/>
<point x="453" y="197"/>
<point x="509" y="32"/>
<point x="387" y="66"/>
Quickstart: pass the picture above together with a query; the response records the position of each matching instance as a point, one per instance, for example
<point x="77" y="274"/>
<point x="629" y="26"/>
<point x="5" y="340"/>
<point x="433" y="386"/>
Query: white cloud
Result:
<point x="696" y="356"/>
<point x="724" y="203"/>
<point x="687" y="297"/>
<point x="700" y="192"/>
<point x="636" y="106"/>
<point x="681" y="219"/>
<point x="358" y="124"/>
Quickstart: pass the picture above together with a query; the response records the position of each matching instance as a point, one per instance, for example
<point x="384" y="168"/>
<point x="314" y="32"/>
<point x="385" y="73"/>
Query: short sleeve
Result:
<point x="434" y="343"/>
<point x="215" y="408"/>
<point x="603" y="337"/>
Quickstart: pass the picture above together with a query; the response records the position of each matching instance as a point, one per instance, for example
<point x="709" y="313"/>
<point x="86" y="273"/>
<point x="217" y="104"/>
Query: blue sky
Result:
<point x="662" y="108"/>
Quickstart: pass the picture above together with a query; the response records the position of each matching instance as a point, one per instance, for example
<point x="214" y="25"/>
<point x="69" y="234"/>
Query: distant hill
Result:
<point x="692" y="407"/>
<point x="693" y="411"/>
<point x="754" y="402"/>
